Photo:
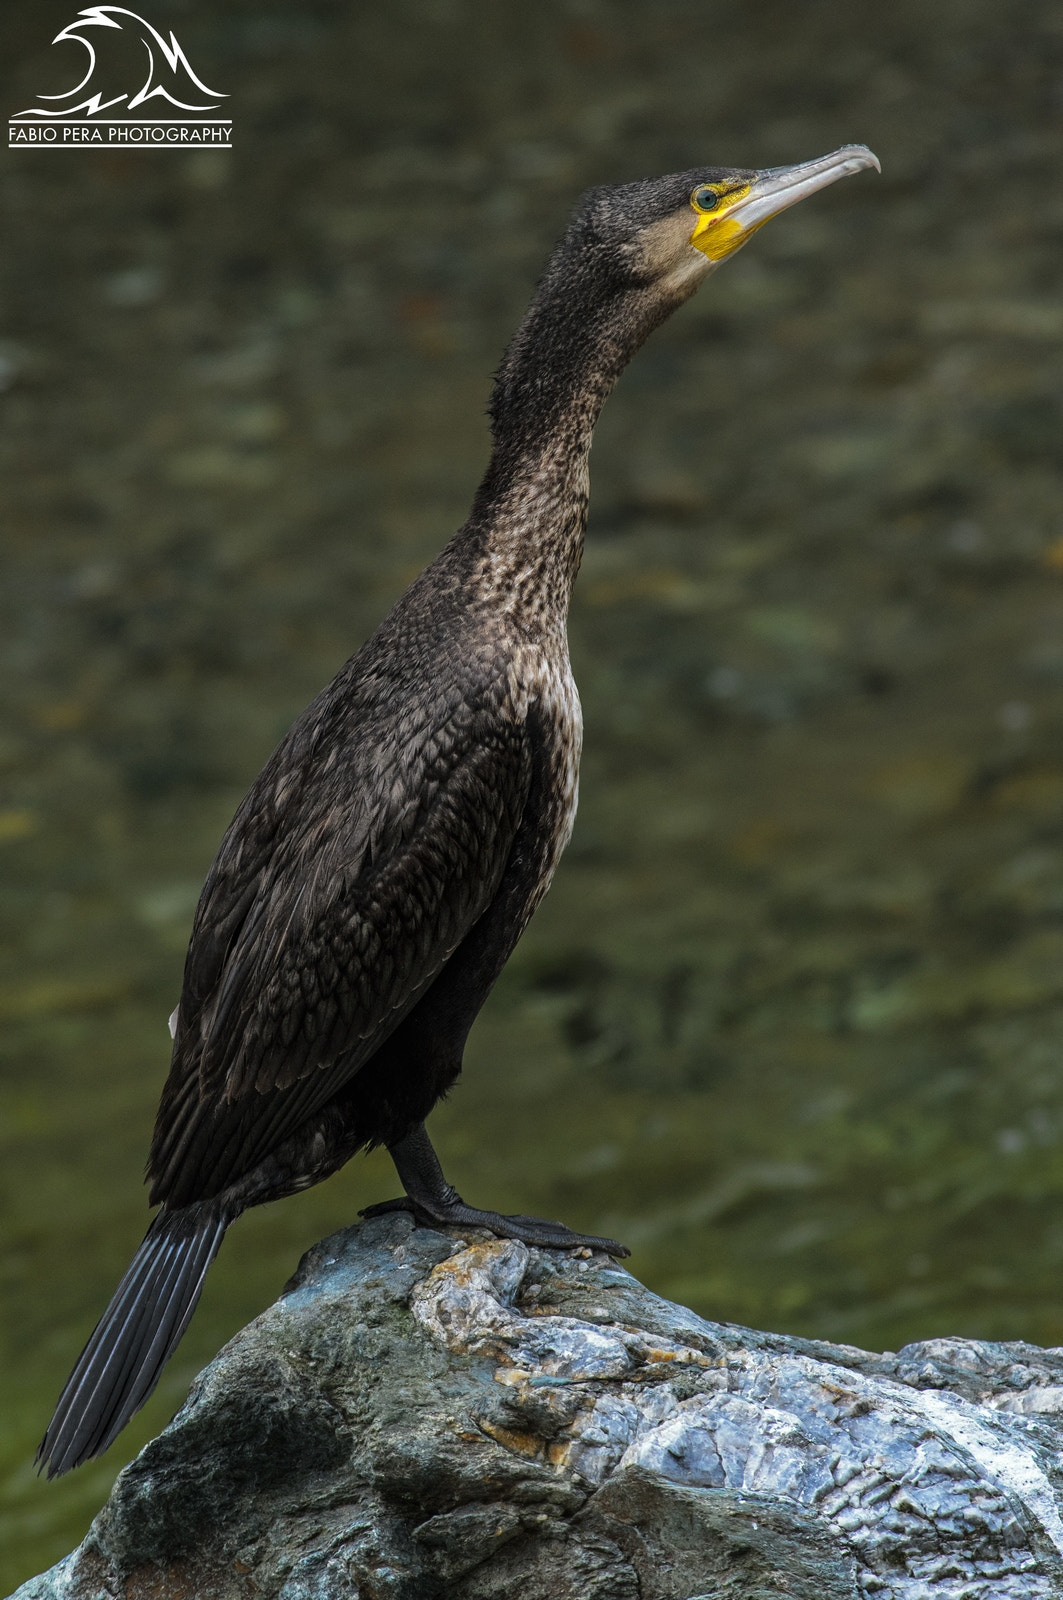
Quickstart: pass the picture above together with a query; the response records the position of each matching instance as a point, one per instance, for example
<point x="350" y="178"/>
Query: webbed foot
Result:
<point x="532" y="1230"/>
<point x="430" y="1198"/>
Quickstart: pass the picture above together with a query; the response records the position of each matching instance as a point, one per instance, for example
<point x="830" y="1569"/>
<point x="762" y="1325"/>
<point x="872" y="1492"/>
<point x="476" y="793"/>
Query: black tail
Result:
<point x="136" y="1336"/>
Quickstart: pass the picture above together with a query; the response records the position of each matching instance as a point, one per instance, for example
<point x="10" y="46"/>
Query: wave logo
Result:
<point x="92" y="113"/>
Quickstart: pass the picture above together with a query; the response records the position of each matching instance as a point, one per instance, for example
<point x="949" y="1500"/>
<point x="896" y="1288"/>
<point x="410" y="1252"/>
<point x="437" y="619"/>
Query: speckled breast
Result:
<point x="546" y="698"/>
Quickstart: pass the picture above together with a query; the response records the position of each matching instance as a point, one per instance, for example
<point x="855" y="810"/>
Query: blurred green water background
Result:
<point x="790" y="1020"/>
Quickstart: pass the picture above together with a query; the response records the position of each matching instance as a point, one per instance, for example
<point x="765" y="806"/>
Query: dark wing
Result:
<point x="353" y="870"/>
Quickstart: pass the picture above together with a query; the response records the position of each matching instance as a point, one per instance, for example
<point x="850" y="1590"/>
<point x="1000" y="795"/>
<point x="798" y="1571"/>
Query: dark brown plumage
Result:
<point x="388" y="857"/>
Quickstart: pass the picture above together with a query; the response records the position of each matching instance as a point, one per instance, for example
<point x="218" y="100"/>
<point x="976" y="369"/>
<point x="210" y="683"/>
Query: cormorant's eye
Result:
<point x="704" y="198"/>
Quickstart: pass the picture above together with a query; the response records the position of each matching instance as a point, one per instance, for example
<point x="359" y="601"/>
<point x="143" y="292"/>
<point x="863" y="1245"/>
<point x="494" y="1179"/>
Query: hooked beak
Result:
<point x="778" y="188"/>
<point x="720" y="233"/>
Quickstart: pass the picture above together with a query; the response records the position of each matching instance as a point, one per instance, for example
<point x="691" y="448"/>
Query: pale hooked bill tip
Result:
<point x="805" y="177"/>
<point x="861" y="153"/>
<point x="847" y="158"/>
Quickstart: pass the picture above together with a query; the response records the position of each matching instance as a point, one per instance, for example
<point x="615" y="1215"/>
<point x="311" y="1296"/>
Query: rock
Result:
<point x="421" y="1417"/>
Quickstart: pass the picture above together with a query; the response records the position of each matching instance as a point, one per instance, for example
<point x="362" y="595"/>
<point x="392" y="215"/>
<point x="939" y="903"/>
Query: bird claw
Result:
<point x="530" y="1230"/>
<point x="382" y="1207"/>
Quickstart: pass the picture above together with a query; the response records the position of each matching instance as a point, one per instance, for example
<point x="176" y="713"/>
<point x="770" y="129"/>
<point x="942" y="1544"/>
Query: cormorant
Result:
<point x="388" y="857"/>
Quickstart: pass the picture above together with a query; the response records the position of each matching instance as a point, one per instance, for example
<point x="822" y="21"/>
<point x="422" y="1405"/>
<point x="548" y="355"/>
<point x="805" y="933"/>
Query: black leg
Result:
<point x="432" y="1199"/>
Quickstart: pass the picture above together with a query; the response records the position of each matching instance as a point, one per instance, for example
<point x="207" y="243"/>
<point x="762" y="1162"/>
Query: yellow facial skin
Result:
<point x="730" y="212"/>
<point x="718" y="233"/>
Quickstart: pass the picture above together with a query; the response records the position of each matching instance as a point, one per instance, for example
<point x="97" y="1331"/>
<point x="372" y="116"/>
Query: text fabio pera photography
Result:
<point x="116" y="103"/>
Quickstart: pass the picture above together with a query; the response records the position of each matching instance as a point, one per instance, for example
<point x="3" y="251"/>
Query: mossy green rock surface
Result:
<point x="422" y="1417"/>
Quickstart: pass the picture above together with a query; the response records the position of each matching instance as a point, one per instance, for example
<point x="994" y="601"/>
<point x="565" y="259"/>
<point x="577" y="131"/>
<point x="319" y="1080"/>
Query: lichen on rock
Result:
<point x="423" y="1417"/>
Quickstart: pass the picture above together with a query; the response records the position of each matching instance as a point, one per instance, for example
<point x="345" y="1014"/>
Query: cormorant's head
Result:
<point x="670" y="233"/>
<point x="631" y="254"/>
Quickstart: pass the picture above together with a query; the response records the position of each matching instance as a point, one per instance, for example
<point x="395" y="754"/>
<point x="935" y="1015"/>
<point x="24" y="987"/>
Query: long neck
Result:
<point x="530" y="512"/>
